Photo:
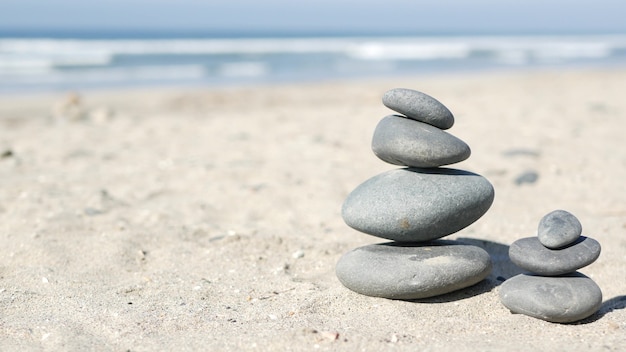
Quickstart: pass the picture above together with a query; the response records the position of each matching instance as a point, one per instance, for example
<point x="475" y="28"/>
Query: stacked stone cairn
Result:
<point x="415" y="206"/>
<point x="553" y="290"/>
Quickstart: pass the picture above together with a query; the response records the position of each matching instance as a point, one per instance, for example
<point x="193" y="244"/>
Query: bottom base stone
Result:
<point x="558" y="299"/>
<point x="412" y="270"/>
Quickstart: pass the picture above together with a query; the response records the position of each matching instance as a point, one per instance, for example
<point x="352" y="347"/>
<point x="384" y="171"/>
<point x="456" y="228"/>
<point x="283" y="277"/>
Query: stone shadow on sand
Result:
<point x="503" y="269"/>
<point x="608" y="306"/>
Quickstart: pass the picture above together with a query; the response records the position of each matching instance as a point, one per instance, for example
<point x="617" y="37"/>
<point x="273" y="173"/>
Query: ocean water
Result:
<point x="61" y="61"/>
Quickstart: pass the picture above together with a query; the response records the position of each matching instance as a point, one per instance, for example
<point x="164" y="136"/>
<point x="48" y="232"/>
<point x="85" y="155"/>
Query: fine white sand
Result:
<point x="210" y="219"/>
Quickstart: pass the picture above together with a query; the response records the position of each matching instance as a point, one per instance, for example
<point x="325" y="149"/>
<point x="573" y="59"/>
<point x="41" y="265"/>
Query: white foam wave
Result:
<point x="503" y="49"/>
<point x="409" y="50"/>
<point x="113" y="75"/>
<point x="172" y="46"/>
<point x="28" y="66"/>
<point x="522" y="50"/>
<point x="100" y="52"/>
<point x="243" y="69"/>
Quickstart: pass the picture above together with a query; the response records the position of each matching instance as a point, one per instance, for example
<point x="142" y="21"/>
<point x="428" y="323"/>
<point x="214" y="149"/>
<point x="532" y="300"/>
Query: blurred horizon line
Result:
<point x="155" y="32"/>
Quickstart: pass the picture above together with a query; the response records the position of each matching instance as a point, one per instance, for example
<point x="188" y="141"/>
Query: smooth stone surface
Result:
<point x="558" y="229"/>
<point x="401" y="141"/>
<point x="419" y="106"/>
<point x="413" y="205"/>
<point x="561" y="299"/>
<point x="411" y="271"/>
<point x="529" y="254"/>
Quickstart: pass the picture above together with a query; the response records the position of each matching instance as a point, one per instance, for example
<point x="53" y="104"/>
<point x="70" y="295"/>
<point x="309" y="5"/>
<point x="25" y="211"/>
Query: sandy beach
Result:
<point x="209" y="219"/>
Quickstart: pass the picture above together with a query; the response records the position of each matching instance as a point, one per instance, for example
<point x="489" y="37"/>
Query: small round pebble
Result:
<point x="561" y="299"/>
<point x="558" y="229"/>
<point x="529" y="254"/>
<point x="411" y="271"/>
<point x="419" y="106"/>
<point x="413" y="205"/>
<point x="401" y="141"/>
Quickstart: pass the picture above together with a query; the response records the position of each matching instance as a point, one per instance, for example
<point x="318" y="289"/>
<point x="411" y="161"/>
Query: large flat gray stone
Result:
<point x="411" y="271"/>
<point x="529" y="254"/>
<point x="419" y="106"/>
<point x="560" y="299"/>
<point x="401" y="141"/>
<point x="413" y="205"/>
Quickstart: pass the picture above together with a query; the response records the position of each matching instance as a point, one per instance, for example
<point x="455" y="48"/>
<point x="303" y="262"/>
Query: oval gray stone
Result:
<point x="411" y="271"/>
<point x="559" y="228"/>
<point x="561" y="299"/>
<point x="529" y="254"/>
<point x="401" y="141"/>
<point x="419" y="106"/>
<point x="413" y="205"/>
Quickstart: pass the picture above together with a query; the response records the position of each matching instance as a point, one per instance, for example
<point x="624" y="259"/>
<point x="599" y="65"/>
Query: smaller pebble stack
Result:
<point x="415" y="206"/>
<point x="554" y="291"/>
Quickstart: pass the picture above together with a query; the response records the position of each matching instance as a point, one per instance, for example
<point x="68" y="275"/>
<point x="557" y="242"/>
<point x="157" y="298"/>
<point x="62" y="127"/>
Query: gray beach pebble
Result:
<point x="413" y="205"/>
<point x="529" y="177"/>
<point x="401" y="141"/>
<point x="558" y="229"/>
<point x="411" y="271"/>
<point x="419" y="106"/>
<point x="529" y="254"/>
<point x="561" y="299"/>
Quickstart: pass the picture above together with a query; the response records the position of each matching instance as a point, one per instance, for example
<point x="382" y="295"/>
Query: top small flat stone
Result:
<point x="419" y="106"/>
<point x="558" y="229"/>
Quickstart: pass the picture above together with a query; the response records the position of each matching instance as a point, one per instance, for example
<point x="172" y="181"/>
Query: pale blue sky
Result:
<point x="363" y="15"/>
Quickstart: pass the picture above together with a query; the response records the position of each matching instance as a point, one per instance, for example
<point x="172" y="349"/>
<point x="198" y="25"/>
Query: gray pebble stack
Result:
<point x="415" y="206"/>
<point x="553" y="290"/>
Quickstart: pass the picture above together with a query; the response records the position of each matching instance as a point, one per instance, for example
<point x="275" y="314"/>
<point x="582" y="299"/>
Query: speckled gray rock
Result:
<point x="559" y="229"/>
<point x="401" y="141"/>
<point x="413" y="205"/>
<point x="529" y="254"/>
<point x="411" y="271"/>
<point x="561" y="299"/>
<point x="418" y="106"/>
